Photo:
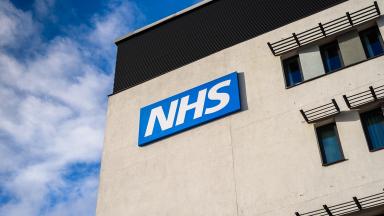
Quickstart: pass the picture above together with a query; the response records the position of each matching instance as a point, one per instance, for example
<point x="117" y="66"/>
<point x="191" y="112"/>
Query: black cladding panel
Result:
<point x="201" y="32"/>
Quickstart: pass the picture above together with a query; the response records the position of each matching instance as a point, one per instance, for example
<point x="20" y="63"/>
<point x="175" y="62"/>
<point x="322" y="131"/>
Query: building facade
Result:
<point x="307" y="139"/>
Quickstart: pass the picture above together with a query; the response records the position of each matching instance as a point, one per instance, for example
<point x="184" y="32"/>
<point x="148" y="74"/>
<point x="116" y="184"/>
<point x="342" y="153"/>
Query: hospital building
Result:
<point x="249" y="108"/>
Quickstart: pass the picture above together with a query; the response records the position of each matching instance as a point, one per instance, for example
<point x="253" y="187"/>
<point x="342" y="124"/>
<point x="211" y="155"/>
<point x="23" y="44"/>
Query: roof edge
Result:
<point x="154" y="24"/>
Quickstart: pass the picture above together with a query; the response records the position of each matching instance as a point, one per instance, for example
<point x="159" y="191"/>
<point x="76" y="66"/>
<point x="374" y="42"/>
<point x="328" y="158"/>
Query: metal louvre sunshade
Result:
<point x="355" y="205"/>
<point x="373" y="94"/>
<point x="321" y="112"/>
<point x="323" y="30"/>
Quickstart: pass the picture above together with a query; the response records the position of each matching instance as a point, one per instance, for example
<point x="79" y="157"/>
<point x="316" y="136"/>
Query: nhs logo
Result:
<point x="196" y="106"/>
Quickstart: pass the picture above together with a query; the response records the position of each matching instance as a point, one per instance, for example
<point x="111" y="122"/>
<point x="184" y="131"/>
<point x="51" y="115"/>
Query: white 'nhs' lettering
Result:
<point x="198" y="106"/>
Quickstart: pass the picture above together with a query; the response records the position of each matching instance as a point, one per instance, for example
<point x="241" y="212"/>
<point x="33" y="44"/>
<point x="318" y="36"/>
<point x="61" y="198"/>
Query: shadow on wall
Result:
<point x="243" y="91"/>
<point x="348" y="116"/>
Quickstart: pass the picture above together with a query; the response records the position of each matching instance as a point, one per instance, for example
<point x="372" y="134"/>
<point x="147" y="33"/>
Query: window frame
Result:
<point x="329" y="44"/>
<point x="369" y="144"/>
<point x="285" y="73"/>
<point x="321" y="148"/>
<point x="370" y="29"/>
<point x="324" y="42"/>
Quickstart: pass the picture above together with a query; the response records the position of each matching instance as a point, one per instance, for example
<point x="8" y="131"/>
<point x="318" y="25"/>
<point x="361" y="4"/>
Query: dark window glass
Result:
<point x="373" y="124"/>
<point x="372" y="42"/>
<point x="331" y="57"/>
<point x="292" y="71"/>
<point x="330" y="147"/>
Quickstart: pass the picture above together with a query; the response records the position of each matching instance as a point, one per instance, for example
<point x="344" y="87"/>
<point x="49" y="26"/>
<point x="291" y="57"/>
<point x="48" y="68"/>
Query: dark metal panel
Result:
<point x="202" y="32"/>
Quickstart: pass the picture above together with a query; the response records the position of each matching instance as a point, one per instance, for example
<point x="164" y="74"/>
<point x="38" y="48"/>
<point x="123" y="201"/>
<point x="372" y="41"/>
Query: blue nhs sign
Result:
<point x="196" y="106"/>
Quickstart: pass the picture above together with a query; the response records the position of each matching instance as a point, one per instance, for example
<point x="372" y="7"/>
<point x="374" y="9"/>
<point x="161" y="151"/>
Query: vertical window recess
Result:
<point x="330" y="147"/>
<point x="331" y="56"/>
<point x="372" y="42"/>
<point x="373" y="124"/>
<point x="292" y="71"/>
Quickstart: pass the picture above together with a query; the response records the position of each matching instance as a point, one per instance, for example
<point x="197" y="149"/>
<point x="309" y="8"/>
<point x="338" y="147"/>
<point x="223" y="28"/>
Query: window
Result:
<point x="329" y="142"/>
<point x="372" y="42"/>
<point x="292" y="71"/>
<point x="331" y="56"/>
<point x="373" y="124"/>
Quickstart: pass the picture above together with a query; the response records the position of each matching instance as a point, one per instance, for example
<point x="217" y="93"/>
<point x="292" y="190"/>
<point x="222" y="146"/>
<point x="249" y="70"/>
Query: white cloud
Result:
<point x="108" y="27"/>
<point x="15" y="25"/>
<point x="53" y="108"/>
<point x="81" y="204"/>
<point x="43" y="7"/>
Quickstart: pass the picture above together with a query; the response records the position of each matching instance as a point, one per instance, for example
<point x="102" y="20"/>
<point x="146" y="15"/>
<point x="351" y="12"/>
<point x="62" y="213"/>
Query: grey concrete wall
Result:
<point x="380" y="23"/>
<point x="351" y="48"/>
<point x="261" y="161"/>
<point x="311" y="62"/>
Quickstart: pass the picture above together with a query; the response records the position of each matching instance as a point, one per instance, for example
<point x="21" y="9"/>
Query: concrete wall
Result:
<point x="311" y="62"/>
<point x="380" y="23"/>
<point x="261" y="161"/>
<point x="351" y="48"/>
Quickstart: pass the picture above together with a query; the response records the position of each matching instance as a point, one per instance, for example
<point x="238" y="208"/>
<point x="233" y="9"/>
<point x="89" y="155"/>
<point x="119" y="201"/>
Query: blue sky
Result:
<point x="56" y="70"/>
<point x="147" y="11"/>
